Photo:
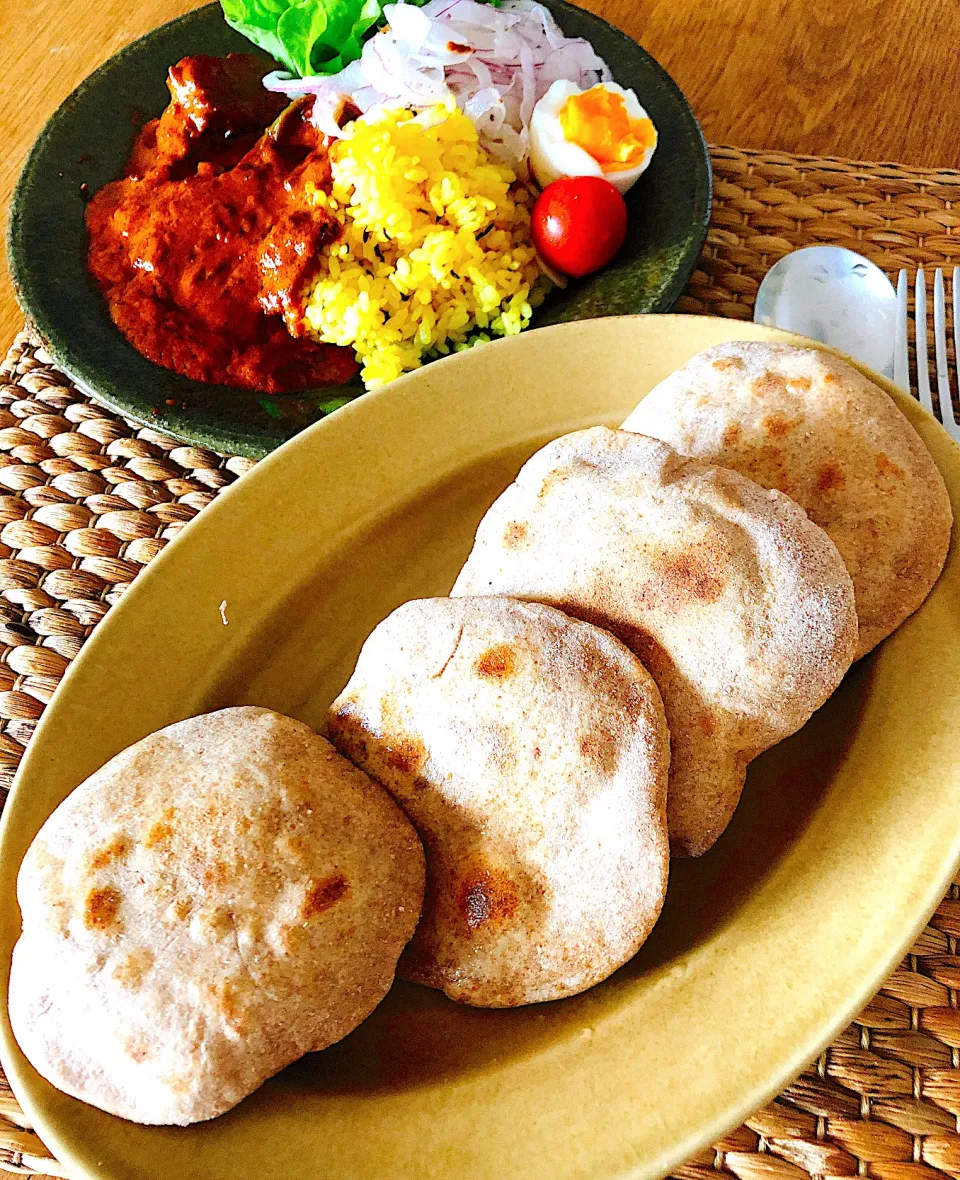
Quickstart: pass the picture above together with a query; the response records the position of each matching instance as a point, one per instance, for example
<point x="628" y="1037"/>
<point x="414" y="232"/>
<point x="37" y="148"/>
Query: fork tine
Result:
<point x="956" y="318"/>
<point x="940" y="344"/>
<point x="920" y="322"/>
<point x="956" y="331"/>
<point x="901" y="364"/>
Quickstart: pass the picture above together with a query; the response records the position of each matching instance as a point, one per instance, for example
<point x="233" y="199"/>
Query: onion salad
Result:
<point x="496" y="62"/>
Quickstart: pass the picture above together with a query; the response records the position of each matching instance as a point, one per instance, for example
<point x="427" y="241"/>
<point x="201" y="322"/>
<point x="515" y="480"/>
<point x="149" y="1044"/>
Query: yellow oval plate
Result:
<point x="845" y="839"/>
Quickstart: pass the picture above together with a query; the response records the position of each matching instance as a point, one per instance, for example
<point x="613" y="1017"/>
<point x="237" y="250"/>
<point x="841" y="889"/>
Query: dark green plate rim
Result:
<point x="46" y="245"/>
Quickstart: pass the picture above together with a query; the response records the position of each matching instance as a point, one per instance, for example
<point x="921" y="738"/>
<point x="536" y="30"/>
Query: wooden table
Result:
<point x="870" y="79"/>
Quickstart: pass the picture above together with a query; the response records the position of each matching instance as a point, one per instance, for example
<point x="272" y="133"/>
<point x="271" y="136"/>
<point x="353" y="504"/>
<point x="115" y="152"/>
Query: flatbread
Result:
<point x="738" y="605"/>
<point x="219" y="899"/>
<point x="808" y="424"/>
<point x="531" y="753"/>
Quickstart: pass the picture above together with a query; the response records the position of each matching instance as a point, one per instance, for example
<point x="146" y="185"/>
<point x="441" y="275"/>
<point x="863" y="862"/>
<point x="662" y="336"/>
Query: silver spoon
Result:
<point x="835" y="296"/>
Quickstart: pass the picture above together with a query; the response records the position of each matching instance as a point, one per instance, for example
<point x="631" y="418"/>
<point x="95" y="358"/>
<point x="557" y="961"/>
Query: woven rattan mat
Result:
<point x="87" y="500"/>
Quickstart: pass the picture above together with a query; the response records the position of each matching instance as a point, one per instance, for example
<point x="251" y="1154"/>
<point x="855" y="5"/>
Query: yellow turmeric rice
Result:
<point x="435" y="250"/>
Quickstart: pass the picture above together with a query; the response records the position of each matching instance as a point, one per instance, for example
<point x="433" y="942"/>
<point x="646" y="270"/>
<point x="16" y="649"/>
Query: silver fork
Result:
<point x="901" y="367"/>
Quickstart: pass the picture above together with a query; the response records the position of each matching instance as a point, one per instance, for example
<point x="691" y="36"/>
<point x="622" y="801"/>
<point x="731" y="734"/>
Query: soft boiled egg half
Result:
<point x="603" y="131"/>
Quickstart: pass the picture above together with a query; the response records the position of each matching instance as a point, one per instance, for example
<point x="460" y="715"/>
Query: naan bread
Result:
<point x="531" y="753"/>
<point x="219" y="899"/>
<point x="738" y="605"/>
<point x="813" y="427"/>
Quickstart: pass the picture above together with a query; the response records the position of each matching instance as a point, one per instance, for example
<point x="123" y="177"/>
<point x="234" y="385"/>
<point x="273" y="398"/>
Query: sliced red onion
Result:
<point x="280" y="82"/>
<point x="327" y="112"/>
<point x="496" y="62"/>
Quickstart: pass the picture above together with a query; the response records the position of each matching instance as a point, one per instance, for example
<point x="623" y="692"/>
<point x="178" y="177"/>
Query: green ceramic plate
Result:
<point x="87" y="141"/>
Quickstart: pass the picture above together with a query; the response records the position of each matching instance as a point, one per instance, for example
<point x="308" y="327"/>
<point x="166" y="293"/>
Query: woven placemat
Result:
<point x="88" y="499"/>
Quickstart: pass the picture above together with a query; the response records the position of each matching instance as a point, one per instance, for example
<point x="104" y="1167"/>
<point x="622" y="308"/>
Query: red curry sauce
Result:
<point x="205" y="250"/>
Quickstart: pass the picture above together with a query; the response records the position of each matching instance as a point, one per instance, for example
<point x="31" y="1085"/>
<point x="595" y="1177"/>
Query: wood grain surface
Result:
<point x="866" y="79"/>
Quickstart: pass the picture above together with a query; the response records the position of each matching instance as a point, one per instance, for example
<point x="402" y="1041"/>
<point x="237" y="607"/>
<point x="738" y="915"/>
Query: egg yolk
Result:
<point x="597" y="121"/>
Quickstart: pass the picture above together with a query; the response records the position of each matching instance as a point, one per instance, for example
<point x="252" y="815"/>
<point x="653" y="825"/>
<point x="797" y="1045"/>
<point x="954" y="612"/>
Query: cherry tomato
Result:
<point x="578" y="224"/>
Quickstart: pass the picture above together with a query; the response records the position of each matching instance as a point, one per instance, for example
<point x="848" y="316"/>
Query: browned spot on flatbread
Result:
<point x="100" y="909"/>
<point x="157" y="833"/>
<point x="322" y="893"/>
<point x="182" y="907"/>
<point x="768" y="385"/>
<point x="514" y="535"/>
<point x="551" y="478"/>
<point x="129" y="972"/>
<point x="109" y="852"/>
<point x="830" y="378"/>
<point x="731" y="436"/>
<point x="887" y="468"/>
<point x="216" y="873"/>
<point x="216" y="919"/>
<point x="600" y="747"/>
<point x="830" y="477"/>
<point x="496" y="663"/>
<point x="776" y="426"/>
<point x="405" y="754"/>
<point x="799" y="384"/>
<point x="690" y="574"/>
<point x="722" y="363"/>
<point x="707" y="724"/>
<point x="486" y="897"/>
<point x="232" y="1008"/>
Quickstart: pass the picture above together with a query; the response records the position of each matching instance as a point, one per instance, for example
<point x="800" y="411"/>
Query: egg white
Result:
<point x="553" y="156"/>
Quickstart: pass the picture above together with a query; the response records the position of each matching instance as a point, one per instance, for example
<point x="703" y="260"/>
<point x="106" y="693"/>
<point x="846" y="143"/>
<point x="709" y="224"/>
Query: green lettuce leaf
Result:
<point x="307" y="36"/>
